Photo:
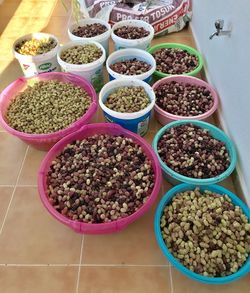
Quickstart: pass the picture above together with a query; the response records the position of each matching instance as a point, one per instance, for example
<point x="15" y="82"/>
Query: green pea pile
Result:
<point x="47" y="106"/>
<point x="128" y="99"/>
<point x="81" y="54"/>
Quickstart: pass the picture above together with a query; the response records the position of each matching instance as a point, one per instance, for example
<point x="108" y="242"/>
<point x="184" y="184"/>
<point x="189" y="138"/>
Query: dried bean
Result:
<point x="209" y="256"/>
<point x="35" y="47"/>
<point x="131" y="32"/>
<point x="90" y="30"/>
<point x="128" y="99"/>
<point x="184" y="99"/>
<point x="175" y="61"/>
<point x="131" y="67"/>
<point x="47" y="106"/>
<point x="89" y="181"/>
<point x="81" y="54"/>
<point x="191" y="151"/>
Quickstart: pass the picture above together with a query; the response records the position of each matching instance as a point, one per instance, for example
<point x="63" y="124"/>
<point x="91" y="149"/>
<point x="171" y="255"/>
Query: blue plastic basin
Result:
<point x="176" y="178"/>
<point x="197" y="277"/>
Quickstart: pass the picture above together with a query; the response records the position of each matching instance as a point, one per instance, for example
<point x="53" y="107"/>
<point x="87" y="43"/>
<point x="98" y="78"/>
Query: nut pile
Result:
<point x="131" y="32"/>
<point x="100" y="179"/>
<point x="175" y="61"/>
<point x="35" y="47"/>
<point x="206" y="232"/>
<point x="184" y="99"/>
<point x="81" y="54"/>
<point x="131" y="67"/>
<point x="47" y="106"/>
<point x="128" y="99"/>
<point x="191" y="151"/>
<point x="90" y="30"/>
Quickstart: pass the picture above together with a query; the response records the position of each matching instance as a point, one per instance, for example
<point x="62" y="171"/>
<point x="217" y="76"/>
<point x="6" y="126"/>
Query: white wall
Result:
<point x="228" y="66"/>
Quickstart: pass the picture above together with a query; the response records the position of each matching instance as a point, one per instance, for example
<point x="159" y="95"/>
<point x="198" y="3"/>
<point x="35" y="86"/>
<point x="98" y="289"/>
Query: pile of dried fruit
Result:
<point x="183" y="99"/>
<point x="191" y="151"/>
<point x="90" y="30"/>
<point x="131" y="67"/>
<point x="100" y="179"/>
<point x="131" y="32"/>
<point x="81" y="54"/>
<point x="128" y="99"/>
<point x="175" y="61"/>
<point x="35" y="47"/>
<point x="47" y="106"/>
<point x="206" y="232"/>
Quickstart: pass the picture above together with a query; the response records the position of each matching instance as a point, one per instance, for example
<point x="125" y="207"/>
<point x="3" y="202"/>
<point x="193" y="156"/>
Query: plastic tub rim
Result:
<point x="191" y="180"/>
<point x="181" y="46"/>
<point x="23" y="135"/>
<point x="126" y="52"/>
<point x="63" y="219"/>
<point x="179" y="266"/>
<point x="119" y="83"/>
<point x="189" y="79"/>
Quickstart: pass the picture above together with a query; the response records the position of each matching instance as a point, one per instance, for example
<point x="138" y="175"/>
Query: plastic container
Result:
<point x="159" y="74"/>
<point x="128" y="54"/>
<point x="143" y="43"/>
<point x="164" y="117"/>
<point x="137" y="122"/>
<point x="32" y="65"/>
<point x="197" y="277"/>
<point x="103" y="39"/>
<point x="86" y="131"/>
<point x="45" y="141"/>
<point x="93" y="71"/>
<point x="176" y="178"/>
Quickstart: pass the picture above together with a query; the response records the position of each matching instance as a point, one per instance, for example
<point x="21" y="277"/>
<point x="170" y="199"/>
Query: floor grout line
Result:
<point x="26" y="185"/>
<point x="171" y="280"/>
<point x="13" y="192"/>
<point x="18" y="185"/>
<point x="86" y="265"/>
<point x="80" y="265"/>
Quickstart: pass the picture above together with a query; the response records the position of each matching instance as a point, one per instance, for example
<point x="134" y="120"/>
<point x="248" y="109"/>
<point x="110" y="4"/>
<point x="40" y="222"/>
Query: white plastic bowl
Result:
<point x="103" y="39"/>
<point x="137" y="122"/>
<point x="32" y="65"/>
<point x="143" y="43"/>
<point x="128" y="54"/>
<point x="91" y="71"/>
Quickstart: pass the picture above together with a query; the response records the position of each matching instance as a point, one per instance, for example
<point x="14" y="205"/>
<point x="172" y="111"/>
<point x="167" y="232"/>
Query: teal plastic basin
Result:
<point x="197" y="277"/>
<point x="176" y="178"/>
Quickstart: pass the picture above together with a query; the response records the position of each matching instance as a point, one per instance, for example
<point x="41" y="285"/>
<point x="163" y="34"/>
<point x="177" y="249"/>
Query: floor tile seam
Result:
<point x="13" y="192"/>
<point x="18" y="185"/>
<point x="85" y="265"/>
<point x="79" y="267"/>
<point x="171" y="280"/>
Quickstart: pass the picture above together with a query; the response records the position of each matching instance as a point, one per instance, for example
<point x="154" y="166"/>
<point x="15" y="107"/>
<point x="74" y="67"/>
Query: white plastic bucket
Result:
<point x="91" y="71"/>
<point x="143" y="43"/>
<point x="128" y="54"/>
<point x="137" y="122"/>
<point x="103" y="39"/>
<point x="32" y="65"/>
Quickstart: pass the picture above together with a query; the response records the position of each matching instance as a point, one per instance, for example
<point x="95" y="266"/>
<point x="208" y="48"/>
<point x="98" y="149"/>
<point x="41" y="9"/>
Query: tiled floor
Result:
<point x="38" y="254"/>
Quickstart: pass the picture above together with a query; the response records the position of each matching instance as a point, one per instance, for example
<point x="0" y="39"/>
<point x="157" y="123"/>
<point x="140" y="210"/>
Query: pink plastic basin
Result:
<point x="164" y="117"/>
<point x="86" y="131"/>
<point x="46" y="141"/>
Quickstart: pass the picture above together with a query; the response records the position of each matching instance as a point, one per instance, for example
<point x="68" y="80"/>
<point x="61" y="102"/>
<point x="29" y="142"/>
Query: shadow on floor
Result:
<point x="7" y="10"/>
